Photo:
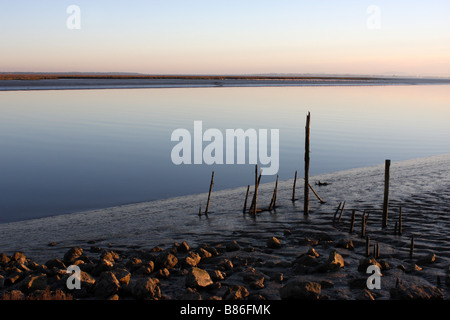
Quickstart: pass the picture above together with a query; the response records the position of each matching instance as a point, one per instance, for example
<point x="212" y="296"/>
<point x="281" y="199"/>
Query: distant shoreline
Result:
<point x="24" y="82"/>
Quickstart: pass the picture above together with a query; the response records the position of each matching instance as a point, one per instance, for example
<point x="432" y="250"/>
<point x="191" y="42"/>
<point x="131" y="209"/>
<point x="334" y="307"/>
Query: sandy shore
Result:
<point x="92" y="83"/>
<point x="243" y="259"/>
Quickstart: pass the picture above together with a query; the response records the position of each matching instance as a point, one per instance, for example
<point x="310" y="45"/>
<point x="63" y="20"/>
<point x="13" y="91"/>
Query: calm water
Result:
<point x="66" y="151"/>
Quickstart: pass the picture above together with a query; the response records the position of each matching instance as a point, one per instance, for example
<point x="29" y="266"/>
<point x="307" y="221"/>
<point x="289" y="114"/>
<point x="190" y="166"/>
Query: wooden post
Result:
<point x="352" y="223"/>
<point x="200" y="211"/>
<point x="386" y="193"/>
<point x="306" y="189"/>
<point x="400" y="227"/>
<point x="256" y="191"/>
<point x="411" y="248"/>
<point x="274" y="196"/>
<point x="293" y="188"/>
<point x="337" y="210"/>
<point x="367" y="246"/>
<point x="317" y="196"/>
<point x="246" y="198"/>
<point x="209" y="194"/>
<point x="253" y="199"/>
<point x="363" y="225"/>
<point x="340" y="214"/>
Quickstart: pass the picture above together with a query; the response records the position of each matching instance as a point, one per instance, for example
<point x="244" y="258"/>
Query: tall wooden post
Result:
<point x="256" y="191"/>
<point x="306" y="189"/>
<point x="386" y="193"/>
<point x="400" y="226"/>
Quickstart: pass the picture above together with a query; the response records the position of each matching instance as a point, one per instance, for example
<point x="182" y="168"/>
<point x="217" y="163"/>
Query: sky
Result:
<point x="402" y="37"/>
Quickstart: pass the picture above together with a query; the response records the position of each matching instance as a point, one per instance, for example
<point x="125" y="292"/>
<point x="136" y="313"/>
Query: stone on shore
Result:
<point x="197" y="277"/>
<point x="166" y="260"/>
<point x="300" y="289"/>
<point x="415" y="292"/>
<point x="107" y="285"/>
<point x="146" y="288"/>
<point x="273" y="243"/>
<point x="72" y="255"/>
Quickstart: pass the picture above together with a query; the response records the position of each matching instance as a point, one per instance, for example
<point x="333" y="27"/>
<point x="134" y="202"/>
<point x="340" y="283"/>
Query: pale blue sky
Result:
<point x="227" y="37"/>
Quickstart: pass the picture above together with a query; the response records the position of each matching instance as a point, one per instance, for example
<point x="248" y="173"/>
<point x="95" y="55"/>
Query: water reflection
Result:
<point x="63" y="151"/>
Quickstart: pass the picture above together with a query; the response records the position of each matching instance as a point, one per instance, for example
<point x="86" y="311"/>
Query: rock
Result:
<point x="55" y="263"/>
<point x="72" y="255"/>
<point x="133" y="264"/>
<point x="335" y="260"/>
<point x="107" y="285"/>
<point x="166" y="260"/>
<point x="273" y="243"/>
<point x="217" y="275"/>
<point x="122" y="275"/>
<point x="33" y="282"/>
<point x="345" y="244"/>
<point x="326" y="284"/>
<point x="4" y="259"/>
<point x="183" y="247"/>
<point x="102" y="266"/>
<point x="2" y="281"/>
<point x="204" y="254"/>
<point x="145" y="268"/>
<point x="365" y="295"/>
<point x="197" y="277"/>
<point x="225" y="264"/>
<point x="146" y="288"/>
<point x="236" y="293"/>
<point x="300" y="289"/>
<point x="109" y="255"/>
<point x="287" y="232"/>
<point x="19" y="257"/>
<point x="192" y="259"/>
<point x="428" y="259"/>
<point x="366" y="262"/>
<point x="191" y="294"/>
<point x="232" y="246"/>
<point x="254" y="278"/>
<point x="163" y="273"/>
<point x="51" y="244"/>
<point x="415" y="292"/>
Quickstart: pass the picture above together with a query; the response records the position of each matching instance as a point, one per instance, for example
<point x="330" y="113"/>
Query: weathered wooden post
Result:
<point x="400" y="226"/>
<point x="306" y="189"/>
<point x="386" y="193"/>
<point x="256" y="191"/>
<point x="363" y="226"/>
<point x="209" y="194"/>
<point x="246" y="198"/>
<point x="340" y="214"/>
<point x="293" y="188"/>
<point x="274" y="196"/>
<point x="411" y="248"/>
<point x="315" y="193"/>
<point x="367" y="246"/>
<point x="337" y="210"/>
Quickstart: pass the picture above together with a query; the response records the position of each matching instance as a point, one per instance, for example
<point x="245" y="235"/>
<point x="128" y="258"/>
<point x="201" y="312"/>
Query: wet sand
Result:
<point x="418" y="186"/>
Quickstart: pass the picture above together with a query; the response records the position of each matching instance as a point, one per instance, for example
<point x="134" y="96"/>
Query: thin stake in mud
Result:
<point x="306" y="189"/>
<point x="411" y="247"/>
<point x="367" y="246"/>
<point x="209" y="194"/>
<point x="274" y="196"/>
<point x="363" y="225"/>
<point x="400" y="226"/>
<point x="386" y="193"/>
<point x="200" y="211"/>
<point x="256" y="191"/>
<point x="340" y="214"/>
<point x="317" y="196"/>
<point x="352" y="223"/>
<point x="293" y="188"/>
<point x="337" y="210"/>
<point x="246" y="198"/>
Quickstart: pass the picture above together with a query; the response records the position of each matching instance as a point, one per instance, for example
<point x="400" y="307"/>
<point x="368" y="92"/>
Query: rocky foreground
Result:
<point x="229" y="271"/>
